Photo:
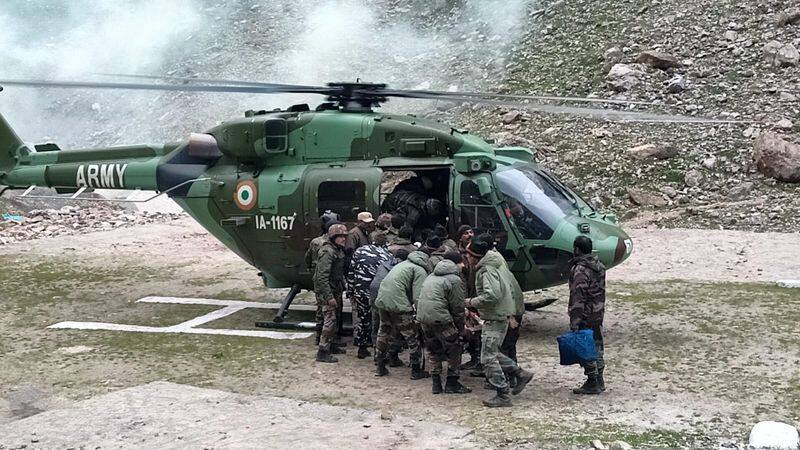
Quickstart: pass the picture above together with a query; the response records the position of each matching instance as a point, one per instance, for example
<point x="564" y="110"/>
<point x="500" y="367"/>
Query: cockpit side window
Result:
<point x="480" y="214"/>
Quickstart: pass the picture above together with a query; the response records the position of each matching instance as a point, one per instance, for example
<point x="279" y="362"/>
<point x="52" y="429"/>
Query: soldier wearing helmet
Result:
<point x="328" y="287"/>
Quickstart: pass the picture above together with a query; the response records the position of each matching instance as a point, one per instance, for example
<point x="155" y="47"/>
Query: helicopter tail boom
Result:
<point x="129" y="167"/>
<point x="11" y="147"/>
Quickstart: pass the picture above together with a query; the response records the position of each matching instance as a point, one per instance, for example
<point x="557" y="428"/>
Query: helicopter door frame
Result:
<point x="466" y="198"/>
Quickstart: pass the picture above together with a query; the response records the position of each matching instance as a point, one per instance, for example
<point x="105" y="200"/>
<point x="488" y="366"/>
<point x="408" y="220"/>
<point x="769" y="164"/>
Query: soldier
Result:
<point x="450" y="244"/>
<point x="396" y="302"/>
<point x="587" y="305"/>
<point x="363" y="267"/>
<point x="440" y="312"/>
<point x="396" y="345"/>
<point x="328" y="218"/>
<point x="382" y="226"/>
<point x="433" y="246"/>
<point x="495" y="303"/>
<point x="359" y="235"/>
<point x="403" y="241"/>
<point x="421" y="211"/>
<point x="398" y="220"/>
<point x="509" y="346"/>
<point x="463" y="236"/>
<point x="329" y="286"/>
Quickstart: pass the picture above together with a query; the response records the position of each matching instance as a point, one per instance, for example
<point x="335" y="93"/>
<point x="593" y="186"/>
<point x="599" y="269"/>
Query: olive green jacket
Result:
<point x="400" y="289"/>
<point x="495" y="299"/>
<point x="441" y="300"/>
<point x="329" y="273"/>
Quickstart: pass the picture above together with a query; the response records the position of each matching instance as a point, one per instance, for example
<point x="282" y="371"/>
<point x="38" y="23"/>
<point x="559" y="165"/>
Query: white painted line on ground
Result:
<point x="210" y="317"/>
<point x="207" y="301"/>
<point x="789" y="283"/>
<point x="188" y="327"/>
<point x="144" y="329"/>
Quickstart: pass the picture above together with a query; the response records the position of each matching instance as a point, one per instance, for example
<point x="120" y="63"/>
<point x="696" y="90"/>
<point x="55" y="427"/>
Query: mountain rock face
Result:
<point x="721" y="59"/>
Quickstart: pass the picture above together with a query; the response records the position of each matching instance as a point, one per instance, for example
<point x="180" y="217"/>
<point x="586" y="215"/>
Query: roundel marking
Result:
<point x="245" y="195"/>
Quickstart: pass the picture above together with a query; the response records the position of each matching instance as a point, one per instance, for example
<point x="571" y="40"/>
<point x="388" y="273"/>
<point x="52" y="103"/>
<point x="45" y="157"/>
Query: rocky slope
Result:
<point x="722" y="66"/>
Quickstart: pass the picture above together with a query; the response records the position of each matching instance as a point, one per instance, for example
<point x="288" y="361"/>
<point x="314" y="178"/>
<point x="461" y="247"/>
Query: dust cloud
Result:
<point x="436" y="44"/>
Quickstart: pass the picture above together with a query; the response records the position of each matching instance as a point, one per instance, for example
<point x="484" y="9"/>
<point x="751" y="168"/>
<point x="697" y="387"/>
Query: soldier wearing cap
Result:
<point x="328" y="287"/>
<point x="359" y="235"/>
<point x="496" y="304"/>
<point x="382" y="226"/>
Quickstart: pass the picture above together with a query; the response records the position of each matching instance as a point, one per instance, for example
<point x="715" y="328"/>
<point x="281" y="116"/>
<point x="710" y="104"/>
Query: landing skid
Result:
<point x="279" y="321"/>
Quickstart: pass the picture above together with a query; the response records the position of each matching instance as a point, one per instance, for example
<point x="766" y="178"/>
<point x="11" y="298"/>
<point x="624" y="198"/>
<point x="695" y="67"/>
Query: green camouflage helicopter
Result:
<point x="260" y="183"/>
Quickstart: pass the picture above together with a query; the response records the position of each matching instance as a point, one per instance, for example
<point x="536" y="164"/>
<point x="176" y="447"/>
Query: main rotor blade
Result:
<point x="405" y="93"/>
<point x="594" y="113"/>
<point x="444" y="95"/>
<point x="167" y="87"/>
<point x="214" y="81"/>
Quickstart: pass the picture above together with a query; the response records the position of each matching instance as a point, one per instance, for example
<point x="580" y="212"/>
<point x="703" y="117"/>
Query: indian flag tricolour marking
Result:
<point x="245" y="195"/>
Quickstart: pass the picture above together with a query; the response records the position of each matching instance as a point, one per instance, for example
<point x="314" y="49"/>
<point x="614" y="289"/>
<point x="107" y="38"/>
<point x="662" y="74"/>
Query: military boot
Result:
<point x="381" y="370"/>
<point x="337" y="349"/>
<point x="437" y="384"/>
<point x="501" y="400"/>
<point x="325" y="356"/>
<point x="417" y="373"/>
<point x="523" y="377"/>
<point x="363" y="352"/>
<point x="601" y="381"/>
<point x="590" y="387"/>
<point x="478" y="371"/>
<point x="452" y="386"/>
<point x="394" y="360"/>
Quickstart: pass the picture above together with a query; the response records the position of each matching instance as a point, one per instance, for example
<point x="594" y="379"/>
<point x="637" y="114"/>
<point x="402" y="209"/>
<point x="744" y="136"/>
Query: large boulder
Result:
<point x="647" y="151"/>
<point x="658" y="60"/>
<point x="623" y="77"/>
<point x="781" y="55"/>
<point x="777" y="158"/>
<point x="774" y="436"/>
<point x="640" y="197"/>
<point x="790" y="16"/>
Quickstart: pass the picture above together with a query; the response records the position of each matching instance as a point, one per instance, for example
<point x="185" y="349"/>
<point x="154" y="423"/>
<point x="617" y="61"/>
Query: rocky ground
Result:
<point x="702" y="342"/>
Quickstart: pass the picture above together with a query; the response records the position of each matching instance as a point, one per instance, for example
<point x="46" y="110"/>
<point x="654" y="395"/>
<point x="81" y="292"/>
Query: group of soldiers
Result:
<point x="441" y="295"/>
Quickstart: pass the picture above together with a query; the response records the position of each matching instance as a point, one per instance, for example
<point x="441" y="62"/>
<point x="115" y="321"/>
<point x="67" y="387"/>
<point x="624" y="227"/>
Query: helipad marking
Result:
<point x="189" y="327"/>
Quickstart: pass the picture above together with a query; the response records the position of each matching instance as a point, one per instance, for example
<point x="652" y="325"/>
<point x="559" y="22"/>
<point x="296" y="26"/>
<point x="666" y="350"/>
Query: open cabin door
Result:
<point x="346" y="191"/>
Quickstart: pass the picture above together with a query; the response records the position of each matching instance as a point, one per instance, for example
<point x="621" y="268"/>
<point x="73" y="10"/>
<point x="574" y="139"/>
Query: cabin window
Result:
<point x="478" y="213"/>
<point x="275" y="135"/>
<point x="346" y="198"/>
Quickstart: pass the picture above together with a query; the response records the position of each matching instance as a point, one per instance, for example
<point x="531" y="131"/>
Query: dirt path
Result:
<point x="659" y="254"/>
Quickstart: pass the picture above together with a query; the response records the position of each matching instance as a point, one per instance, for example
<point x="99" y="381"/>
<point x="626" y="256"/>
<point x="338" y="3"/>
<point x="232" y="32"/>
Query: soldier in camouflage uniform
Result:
<point x="420" y="211"/>
<point x="587" y="304"/>
<point x="328" y="218"/>
<point x="382" y="226"/>
<point x="363" y="266"/>
<point x="403" y="241"/>
<point x="329" y="286"/>
<point x="398" y="220"/>
<point x="495" y="302"/>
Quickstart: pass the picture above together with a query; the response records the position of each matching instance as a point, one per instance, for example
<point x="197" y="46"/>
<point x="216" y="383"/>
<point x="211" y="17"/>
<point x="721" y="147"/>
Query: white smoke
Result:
<point x="430" y="44"/>
<point x="74" y="39"/>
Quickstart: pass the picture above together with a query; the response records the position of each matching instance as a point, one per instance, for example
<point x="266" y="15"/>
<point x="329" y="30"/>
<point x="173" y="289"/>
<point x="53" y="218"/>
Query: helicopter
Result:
<point x="260" y="183"/>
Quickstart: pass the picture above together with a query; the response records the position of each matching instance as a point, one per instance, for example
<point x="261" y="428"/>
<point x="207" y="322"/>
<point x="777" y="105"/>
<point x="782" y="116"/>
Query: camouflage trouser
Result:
<point x="443" y="344"/>
<point x="509" y="346"/>
<point x="593" y="367"/>
<point x="495" y="364"/>
<point x="362" y="316"/>
<point x="330" y="322"/>
<point x="393" y="327"/>
<point x="395" y="344"/>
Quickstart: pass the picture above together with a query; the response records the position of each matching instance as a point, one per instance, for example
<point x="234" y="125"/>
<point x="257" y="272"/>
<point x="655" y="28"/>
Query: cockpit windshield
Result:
<point x="537" y="203"/>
